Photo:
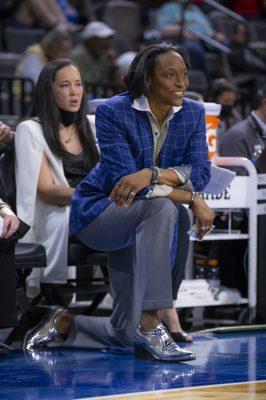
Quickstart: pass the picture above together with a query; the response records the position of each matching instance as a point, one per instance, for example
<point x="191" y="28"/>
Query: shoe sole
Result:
<point x="141" y="353"/>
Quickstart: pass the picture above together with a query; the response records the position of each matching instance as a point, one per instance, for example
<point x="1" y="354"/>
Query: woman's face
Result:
<point x="227" y="98"/>
<point x="67" y="88"/>
<point x="169" y="80"/>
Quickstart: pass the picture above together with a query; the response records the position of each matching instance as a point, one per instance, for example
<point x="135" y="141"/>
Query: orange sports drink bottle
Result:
<point x="212" y="111"/>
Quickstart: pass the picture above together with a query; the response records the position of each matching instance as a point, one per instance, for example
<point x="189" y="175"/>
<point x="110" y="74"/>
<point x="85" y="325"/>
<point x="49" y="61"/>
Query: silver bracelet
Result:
<point x="157" y="173"/>
<point x="193" y="196"/>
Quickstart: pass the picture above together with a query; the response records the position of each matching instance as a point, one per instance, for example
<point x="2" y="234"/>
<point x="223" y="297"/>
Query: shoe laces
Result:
<point x="161" y="331"/>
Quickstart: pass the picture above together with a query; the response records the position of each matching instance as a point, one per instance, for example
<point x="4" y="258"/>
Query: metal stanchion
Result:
<point x="261" y="249"/>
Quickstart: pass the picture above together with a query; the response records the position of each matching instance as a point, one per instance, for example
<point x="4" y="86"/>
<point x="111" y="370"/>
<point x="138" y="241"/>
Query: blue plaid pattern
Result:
<point x="126" y="144"/>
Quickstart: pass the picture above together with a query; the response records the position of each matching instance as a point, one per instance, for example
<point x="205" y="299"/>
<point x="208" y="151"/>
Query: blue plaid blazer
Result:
<point x="126" y="145"/>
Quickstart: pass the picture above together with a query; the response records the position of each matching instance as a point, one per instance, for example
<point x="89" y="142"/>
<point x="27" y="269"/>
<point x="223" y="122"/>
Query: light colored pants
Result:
<point x="138" y="240"/>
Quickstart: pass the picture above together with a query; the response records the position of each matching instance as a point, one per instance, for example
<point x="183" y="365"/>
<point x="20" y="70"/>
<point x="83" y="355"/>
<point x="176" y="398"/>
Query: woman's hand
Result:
<point x="127" y="187"/>
<point x="204" y="215"/>
<point x="169" y="178"/>
<point x="5" y="133"/>
<point x="11" y="222"/>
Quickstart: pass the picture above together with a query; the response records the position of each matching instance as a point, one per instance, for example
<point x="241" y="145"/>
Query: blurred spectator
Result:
<point x="69" y="12"/>
<point x="194" y="96"/>
<point x="241" y="139"/>
<point x="247" y="66"/>
<point x="222" y="92"/>
<point x="124" y="60"/>
<point x="84" y="10"/>
<point x="55" y="44"/>
<point x="38" y="14"/>
<point x="173" y="14"/>
<point x="178" y="17"/>
<point x="174" y="20"/>
<point x="242" y="58"/>
<point x="95" y="56"/>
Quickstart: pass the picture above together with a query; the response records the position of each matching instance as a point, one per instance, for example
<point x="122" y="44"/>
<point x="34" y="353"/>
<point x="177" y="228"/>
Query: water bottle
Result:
<point x="200" y="268"/>
<point x="213" y="274"/>
<point x="256" y="154"/>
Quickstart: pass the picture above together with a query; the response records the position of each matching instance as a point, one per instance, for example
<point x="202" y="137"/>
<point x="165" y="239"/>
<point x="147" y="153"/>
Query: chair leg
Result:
<point x="55" y="294"/>
<point x="96" y="301"/>
<point x="25" y="307"/>
<point x="22" y="301"/>
<point x="28" y="320"/>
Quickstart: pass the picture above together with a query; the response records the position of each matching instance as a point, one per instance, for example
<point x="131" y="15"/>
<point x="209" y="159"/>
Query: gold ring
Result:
<point x="132" y="194"/>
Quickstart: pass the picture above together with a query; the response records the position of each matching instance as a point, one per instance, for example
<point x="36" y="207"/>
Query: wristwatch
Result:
<point x="156" y="174"/>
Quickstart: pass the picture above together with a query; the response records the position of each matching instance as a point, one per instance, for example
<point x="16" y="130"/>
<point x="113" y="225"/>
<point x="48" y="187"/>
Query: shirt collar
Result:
<point x="141" y="104"/>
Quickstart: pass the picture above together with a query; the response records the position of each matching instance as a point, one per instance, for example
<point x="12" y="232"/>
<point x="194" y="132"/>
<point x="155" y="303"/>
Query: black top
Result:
<point x="75" y="169"/>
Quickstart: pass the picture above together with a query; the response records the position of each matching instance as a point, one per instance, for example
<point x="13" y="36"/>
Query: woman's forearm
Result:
<point x="50" y="192"/>
<point x="47" y="12"/>
<point x="169" y="177"/>
<point x="180" y="196"/>
<point x="58" y="195"/>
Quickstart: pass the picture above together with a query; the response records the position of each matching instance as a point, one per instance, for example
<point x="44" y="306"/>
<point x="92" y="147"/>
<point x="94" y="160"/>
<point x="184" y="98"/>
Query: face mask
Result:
<point x="226" y="111"/>
<point x="67" y="117"/>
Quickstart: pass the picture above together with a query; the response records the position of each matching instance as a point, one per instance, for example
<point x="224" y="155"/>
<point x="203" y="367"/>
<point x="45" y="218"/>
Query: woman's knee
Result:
<point x="164" y="206"/>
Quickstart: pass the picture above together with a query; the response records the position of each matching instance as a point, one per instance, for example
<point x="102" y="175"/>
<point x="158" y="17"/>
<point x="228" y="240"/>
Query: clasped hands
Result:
<point x="128" y="186"/>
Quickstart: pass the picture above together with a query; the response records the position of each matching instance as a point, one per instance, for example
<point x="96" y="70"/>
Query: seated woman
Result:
<point x="55" y="149"/>
<point x="129" y="208"/>
<point x="9" y="223"/>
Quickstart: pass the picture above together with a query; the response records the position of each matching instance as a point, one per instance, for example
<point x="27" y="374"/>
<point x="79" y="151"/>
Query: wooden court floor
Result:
<point x="238" y="391"/>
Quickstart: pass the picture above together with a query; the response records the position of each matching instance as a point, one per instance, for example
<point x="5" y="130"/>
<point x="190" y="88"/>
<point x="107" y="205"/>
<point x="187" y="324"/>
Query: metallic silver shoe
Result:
<point x="159" y="345"/>
<point x="44" y="332"/>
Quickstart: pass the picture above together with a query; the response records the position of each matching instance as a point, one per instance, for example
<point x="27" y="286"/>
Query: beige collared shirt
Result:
<point x="159" y="132"/>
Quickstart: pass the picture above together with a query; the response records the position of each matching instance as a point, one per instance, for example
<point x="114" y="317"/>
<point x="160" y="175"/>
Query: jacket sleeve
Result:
<point x="196" y="155"/>
<point x="116" y="154"/>
<point x="27" y="166"/>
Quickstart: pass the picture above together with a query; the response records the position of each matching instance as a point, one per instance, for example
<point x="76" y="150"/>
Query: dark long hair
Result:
<point x="141" y="68"/>
<point x="45" y="108"/>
